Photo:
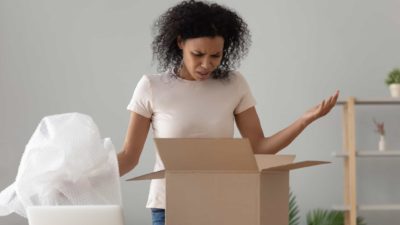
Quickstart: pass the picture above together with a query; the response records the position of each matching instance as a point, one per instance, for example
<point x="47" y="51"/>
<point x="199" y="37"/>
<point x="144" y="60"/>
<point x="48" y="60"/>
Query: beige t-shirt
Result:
<point x="181" y="108"/>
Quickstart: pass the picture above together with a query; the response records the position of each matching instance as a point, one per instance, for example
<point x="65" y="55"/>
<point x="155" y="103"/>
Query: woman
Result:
<point x="198" y="94"/>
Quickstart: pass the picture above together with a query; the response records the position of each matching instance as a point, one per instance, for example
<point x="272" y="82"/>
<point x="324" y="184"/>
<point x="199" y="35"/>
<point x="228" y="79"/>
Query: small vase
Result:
<point x="382" y="144"/>
<point x="394" y="90"/>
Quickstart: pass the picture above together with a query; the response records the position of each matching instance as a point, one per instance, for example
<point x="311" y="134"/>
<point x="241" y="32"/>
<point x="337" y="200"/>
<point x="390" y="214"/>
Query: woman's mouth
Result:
<point x="203" y="74"/>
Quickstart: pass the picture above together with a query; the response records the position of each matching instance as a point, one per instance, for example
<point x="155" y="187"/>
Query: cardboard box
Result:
<point x="221" y="182"/>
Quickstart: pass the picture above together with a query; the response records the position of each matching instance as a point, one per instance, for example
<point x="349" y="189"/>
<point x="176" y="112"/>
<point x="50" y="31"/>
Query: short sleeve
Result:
<point x="247" y="99"/>
<point x="141" y="101"/>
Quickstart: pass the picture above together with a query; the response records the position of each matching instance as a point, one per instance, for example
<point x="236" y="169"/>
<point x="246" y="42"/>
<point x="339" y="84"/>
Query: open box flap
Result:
<point x="154" y="175"/>
<point x="265" y="161"/>
<point x="296" y="165"/>
<point x="206" y="154"/>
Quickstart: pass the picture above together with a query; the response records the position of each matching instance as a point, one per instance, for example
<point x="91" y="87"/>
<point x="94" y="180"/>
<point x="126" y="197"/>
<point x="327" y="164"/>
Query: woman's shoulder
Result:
<point x="152" y="76"/>
<point x="160" y="80"/>
<point x="236" y="76"/>
<point x="155" y="77"/>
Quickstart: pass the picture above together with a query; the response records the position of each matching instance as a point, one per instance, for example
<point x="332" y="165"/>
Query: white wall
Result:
<point x="86" y="56"/>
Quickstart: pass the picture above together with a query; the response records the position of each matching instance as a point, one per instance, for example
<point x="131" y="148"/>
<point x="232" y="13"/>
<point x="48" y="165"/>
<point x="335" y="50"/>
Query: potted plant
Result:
<point x="393" y="81"/>
<point x="294" y="217"/>
<point x="329" y="217"/>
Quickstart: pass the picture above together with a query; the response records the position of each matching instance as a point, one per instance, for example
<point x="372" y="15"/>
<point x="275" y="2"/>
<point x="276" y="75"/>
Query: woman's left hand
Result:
<point x="321" y="109"/>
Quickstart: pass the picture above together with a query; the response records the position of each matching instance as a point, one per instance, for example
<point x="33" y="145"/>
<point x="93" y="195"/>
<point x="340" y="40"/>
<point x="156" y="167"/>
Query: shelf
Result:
<point x="376" y="153"/>
<point x="350" y="155"/>
<point x="371" y="207"/>
<point x="376" y="101"/>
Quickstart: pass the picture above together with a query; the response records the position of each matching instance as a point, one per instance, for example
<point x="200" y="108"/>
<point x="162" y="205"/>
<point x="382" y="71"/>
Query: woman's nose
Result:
<point x="206" y="63"/>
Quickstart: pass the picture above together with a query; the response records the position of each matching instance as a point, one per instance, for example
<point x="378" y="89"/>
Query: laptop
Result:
<point x="75" y="215"/>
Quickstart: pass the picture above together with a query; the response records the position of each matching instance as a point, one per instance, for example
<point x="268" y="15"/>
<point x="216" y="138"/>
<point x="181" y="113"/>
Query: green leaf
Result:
<point x="393" y="77"/>
<point x="329" y="217"/>
<point x="294" y="217"/>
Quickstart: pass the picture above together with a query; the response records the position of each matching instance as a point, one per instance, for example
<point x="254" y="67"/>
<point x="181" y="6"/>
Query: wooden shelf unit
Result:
<point x="350" y="154"/>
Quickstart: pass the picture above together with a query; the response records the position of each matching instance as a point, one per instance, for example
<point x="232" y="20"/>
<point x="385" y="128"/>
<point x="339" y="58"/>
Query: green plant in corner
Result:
<point x="393" y="77"/>
<point x="294" y="217"/>
<point x="393" y="81"/>
<point x="329" y="217"/>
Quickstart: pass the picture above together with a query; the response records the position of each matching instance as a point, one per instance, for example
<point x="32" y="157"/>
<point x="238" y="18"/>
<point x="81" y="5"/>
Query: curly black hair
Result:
<point x="192" y="19"/>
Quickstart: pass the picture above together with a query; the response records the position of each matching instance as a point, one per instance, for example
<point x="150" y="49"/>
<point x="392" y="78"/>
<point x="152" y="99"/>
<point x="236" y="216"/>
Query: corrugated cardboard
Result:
<point x="221" y="181"/>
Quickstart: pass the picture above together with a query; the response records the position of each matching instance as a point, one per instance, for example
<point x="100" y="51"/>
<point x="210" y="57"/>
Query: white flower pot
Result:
<point x="395" y="90"/>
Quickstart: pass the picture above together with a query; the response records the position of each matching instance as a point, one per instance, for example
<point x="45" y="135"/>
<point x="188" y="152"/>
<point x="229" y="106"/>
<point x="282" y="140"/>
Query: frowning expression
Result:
<point x="201" y="56"/>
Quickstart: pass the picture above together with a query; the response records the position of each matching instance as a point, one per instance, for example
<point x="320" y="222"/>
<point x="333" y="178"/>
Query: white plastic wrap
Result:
<point x="64" y="163"/>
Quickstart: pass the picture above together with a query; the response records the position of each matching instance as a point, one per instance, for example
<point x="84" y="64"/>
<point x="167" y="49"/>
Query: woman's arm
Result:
<point x="136" y="135"/>
<point x="249" y="126"/>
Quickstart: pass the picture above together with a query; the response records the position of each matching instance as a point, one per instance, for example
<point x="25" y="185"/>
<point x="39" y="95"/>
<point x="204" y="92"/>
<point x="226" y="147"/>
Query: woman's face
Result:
<point x="201" y="56"/>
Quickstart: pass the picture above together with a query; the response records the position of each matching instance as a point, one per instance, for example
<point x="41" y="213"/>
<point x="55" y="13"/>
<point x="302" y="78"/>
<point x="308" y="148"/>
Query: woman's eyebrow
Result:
<point x="200" y="52"/>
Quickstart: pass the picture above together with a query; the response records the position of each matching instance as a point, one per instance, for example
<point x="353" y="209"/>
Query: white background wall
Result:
<point x="87" y="56"/>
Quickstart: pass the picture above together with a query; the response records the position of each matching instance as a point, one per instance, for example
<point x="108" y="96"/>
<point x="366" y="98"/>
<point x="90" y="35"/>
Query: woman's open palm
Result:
<point x="321" y="109"/>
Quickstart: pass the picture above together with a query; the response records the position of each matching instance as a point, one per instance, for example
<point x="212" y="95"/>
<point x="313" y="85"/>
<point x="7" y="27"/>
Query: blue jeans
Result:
<point x="158" y="216"/>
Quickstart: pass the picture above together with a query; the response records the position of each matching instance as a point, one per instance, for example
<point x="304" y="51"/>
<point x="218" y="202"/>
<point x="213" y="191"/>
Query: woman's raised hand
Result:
<point x="321" y="109"/>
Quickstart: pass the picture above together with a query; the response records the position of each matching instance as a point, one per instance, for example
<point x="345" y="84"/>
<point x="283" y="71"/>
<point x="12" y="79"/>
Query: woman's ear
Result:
<point x="180" y="42"/>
